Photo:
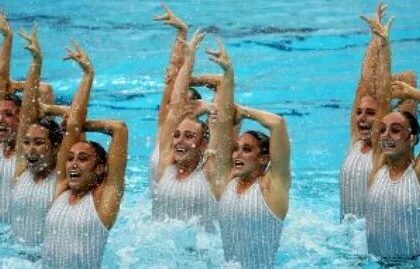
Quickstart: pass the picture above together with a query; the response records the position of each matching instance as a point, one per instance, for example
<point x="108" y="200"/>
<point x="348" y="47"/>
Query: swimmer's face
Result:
<point x="38" y="150"/>
<point x="188" y="142"/>
<point x="395" y="135"/>
<point x="247" y="158"/>
<point x="365" y="116"/>
<point x="82" y="169"/>
<point x="9" y="121"/>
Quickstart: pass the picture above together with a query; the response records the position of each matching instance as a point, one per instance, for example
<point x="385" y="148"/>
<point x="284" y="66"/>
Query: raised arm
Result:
<point x="180" y="105"/>
<point x="366" y="85"/>
<point x="112" y="188"/>
<point x="219" y="151"/>
<point x="176" y="60"/>
<point x="210" y="81"/>
<point x="77" y="114"/>
<point x="29" y="110"/>
<point x="54" y="110"/>
<point x="383" y="90"/>
<point x="5" y="54"/>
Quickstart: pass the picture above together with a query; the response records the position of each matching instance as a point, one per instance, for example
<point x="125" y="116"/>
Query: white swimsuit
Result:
<point x="250" y="231"/>
<point x="31" y="202"/>
<point x="185" y="199"/>
<point x="353" y="181"/>
<point x="7" y="170"/>
<point x="393" y="215"/>
<point x="75" y="237"/>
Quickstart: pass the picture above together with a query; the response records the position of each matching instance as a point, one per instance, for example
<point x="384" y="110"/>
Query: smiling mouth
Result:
<point x="32" y="160"/>
<point x="3" y="129"/>
<point x="363" y="127"/>
<point x="387" y="144"/>
<point x="239" y="164"/>
<point x="74" y="175"/>
<point x="180" y="150"/>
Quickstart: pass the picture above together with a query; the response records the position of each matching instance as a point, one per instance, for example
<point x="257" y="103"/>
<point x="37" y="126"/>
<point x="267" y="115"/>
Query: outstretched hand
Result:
<point x="169" y="18"/>
<point x="78" y="55"/>
<point x="33" y="44"/>
<point x="195" y="40"/>
<point x="375" y="23"/>
<point x="4" y="26"/>
<point x="220" y="56"/>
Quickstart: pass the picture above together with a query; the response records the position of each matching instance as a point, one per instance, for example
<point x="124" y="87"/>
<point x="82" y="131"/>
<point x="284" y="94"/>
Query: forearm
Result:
<point x="78" y="108"/>
<point x="5" y="55"/>
<point x="175" y="63"/>
<point x="369" y="69"/>
<point x="209" y="81"/>
<point x="54" y="110"/>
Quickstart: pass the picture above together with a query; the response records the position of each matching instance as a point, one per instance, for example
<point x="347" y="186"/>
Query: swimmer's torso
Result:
<point x="353" y="181"/>
<point x="250" y="231"/>
<point x="394" y="215"/>
<point x="74" y="236"/>
<point x="185" y="199"/>
<point x="7" y="170"/>
<point x="31" y="202"/>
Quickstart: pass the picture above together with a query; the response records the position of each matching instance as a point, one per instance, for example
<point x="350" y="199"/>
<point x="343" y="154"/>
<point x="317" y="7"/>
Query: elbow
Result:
<point x="277" y="121"/>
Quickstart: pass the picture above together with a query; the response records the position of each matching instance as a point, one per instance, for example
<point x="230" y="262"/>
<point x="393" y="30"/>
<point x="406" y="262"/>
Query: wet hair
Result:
<point x="205" y="129"/>
<point x="414" y="125"/>
<point x="55" y="133"/>
<point x="195" y="95"/>
<point x="101" y="155"/>
<point x="262" y="139"/>
<point x="14" y="99"/>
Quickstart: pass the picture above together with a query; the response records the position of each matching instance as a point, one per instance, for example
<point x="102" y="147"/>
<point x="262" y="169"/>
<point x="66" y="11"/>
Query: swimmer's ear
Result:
<point x="100" y="170"/>
<point x="414" y="139"/>
<point x="264" y="160"/>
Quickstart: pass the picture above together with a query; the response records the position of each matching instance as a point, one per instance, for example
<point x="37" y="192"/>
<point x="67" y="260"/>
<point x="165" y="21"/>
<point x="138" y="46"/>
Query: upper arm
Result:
<point x="280" y="152"/>
<point x="113" y="186"/>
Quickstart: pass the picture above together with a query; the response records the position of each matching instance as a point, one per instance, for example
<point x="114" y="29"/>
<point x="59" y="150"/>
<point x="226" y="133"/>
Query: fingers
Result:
<point x="366" y="19"/>
<point x="381" y="11"/>
<point x="164" y="17"/>
<point x="390" y="22"/>
<point x="166" y="8"/>
<point x="25" y="35"/>
<point x="215" y="53"/>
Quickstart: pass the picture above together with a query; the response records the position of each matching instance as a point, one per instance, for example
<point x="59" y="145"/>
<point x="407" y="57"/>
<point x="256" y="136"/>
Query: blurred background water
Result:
<point x="300" y="59"/>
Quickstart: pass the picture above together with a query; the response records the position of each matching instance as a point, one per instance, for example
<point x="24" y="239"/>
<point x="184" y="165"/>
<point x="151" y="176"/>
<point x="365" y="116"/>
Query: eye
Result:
<point x="382" y="129"/>
<point x="247" y="149"/>
<point x="176" y="134"/>
<point x="395" y="130"/>
<point x="70" y="157"/>
<point x="26" y="142"/>
<point x="371" y="112"/>
<point x="236" y="147"/>
<point x="189" y="135"/>
<point x="39" y="142"/>
<point x="359" y="112"/>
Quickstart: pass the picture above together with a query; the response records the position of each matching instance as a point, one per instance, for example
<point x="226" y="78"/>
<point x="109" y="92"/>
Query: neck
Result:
<point x="366" y="145"/>
<point x="77" y="195"/>
<point x="185" y="169"/>
<point x="397" y="165"/>
<point x="8" y="149"/>
<point x="42" y="174"/>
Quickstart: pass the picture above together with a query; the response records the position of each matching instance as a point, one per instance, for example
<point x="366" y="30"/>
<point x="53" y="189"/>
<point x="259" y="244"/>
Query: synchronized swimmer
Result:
<point x="62" y="192"/>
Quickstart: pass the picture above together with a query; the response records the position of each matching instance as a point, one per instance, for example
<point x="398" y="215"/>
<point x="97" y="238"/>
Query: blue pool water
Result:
<point x="297" y="58"/>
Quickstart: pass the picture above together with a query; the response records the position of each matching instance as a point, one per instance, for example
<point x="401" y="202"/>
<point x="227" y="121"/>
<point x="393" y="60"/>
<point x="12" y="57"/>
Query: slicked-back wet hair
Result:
<point x="55" y="133"/>
<point x="262" y="139"/>
<point x="414" y="125"/>
<point x="14" y="99"/>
